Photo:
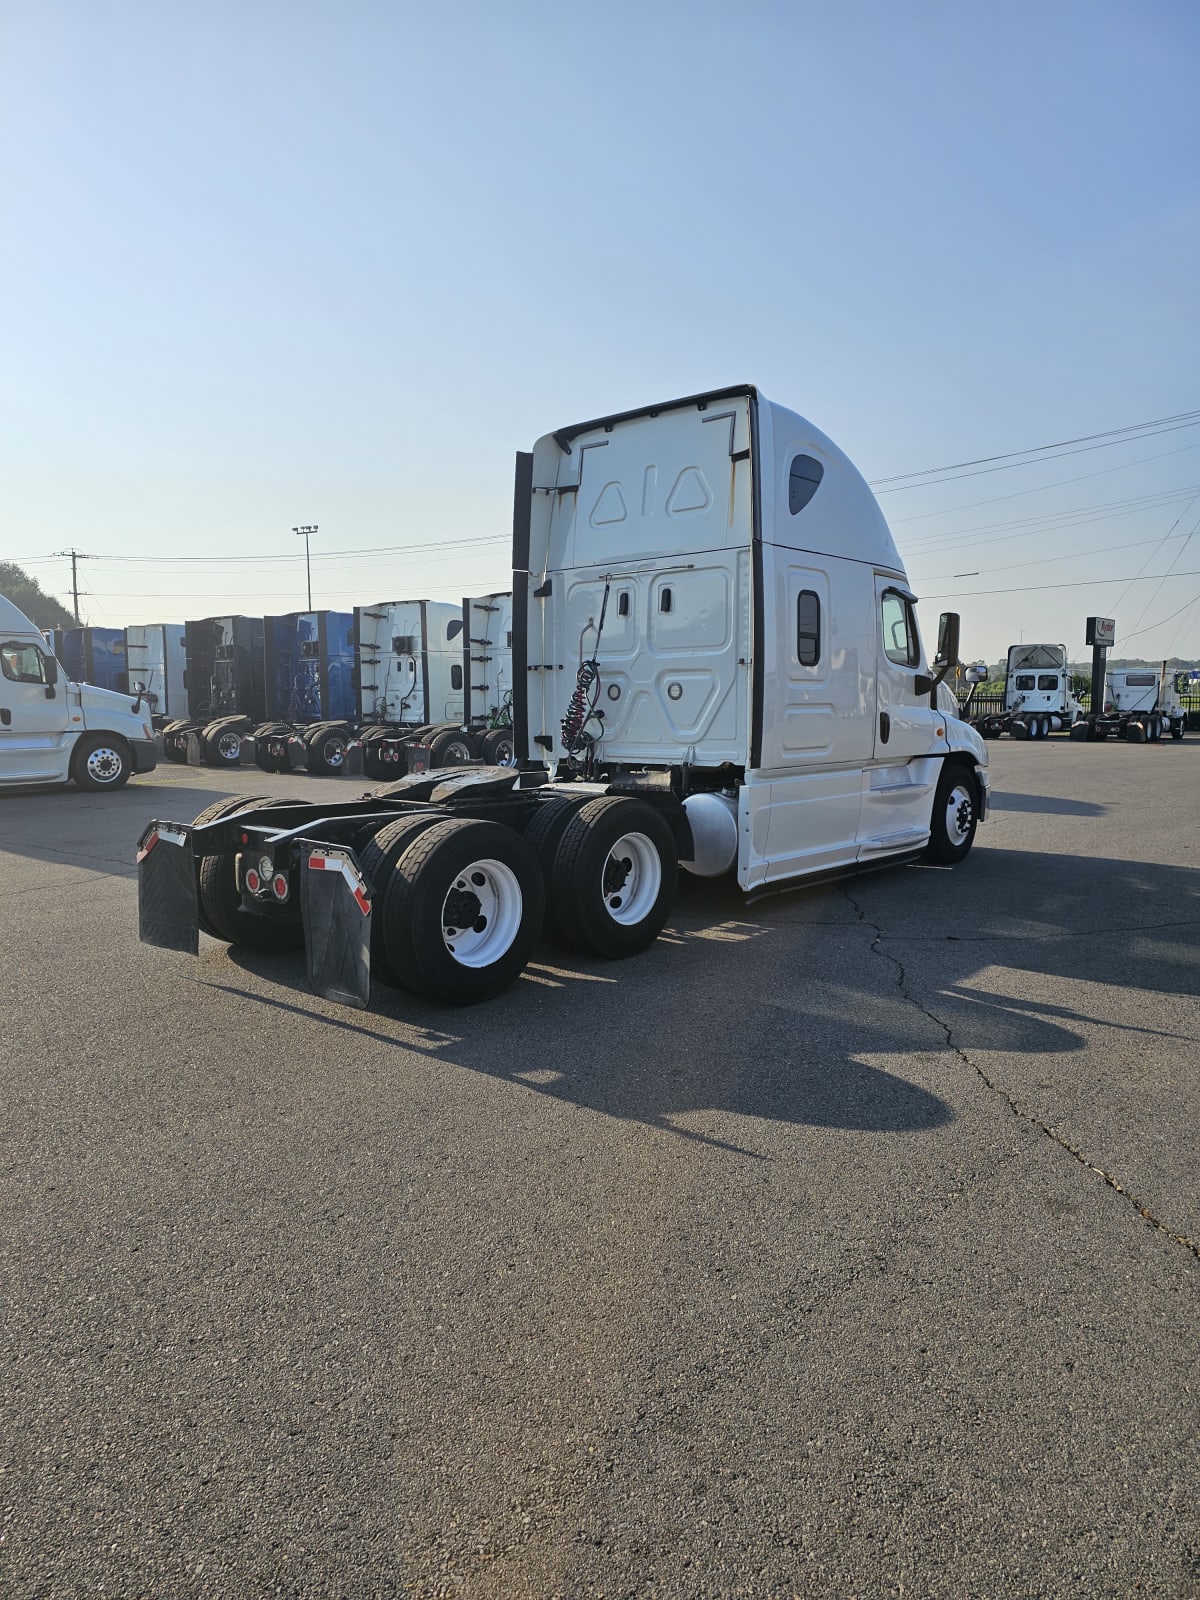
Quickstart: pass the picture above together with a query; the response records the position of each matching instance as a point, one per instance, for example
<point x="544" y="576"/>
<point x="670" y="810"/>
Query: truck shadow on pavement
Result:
<point x="1047" y="804"/>
<point x="801" y="1013"/>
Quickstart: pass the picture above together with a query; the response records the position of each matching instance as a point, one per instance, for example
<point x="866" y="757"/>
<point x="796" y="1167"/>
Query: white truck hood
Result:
<point x="103" y="709"/>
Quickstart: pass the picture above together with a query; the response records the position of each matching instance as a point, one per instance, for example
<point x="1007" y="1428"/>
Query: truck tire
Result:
<point x="543" y="835"/>
<point x="378" y="859"/>
<point x="462" y="911"/>
<point x="262" y="760"/>
<point x="498" y="747"/>
<point x="451" y="748"/>
<point x="325" y="748"/>
<point x="221" y="743"/>
<point x="1177" y="730"/>
<point x="955" y="816"/>
<point x="1081" y="731"/>
<point x="178" y="730"/>
<point x="101" y="761"/>
<point x="1019" y="728"/>
<point x="373" y="767"/>
<point x="221" y="911"/>
<point x="1154" y="731"/>
<point x="1135" y="732"/>
<point x="614" y="877"/>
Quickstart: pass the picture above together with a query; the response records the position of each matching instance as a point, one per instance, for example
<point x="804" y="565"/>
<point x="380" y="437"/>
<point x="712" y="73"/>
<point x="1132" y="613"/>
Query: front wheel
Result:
<point x="101" y="761"/>
<point x="955" y="817"/>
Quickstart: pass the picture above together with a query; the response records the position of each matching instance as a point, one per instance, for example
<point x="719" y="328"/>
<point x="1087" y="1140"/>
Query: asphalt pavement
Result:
<point x="842" y="1245"/>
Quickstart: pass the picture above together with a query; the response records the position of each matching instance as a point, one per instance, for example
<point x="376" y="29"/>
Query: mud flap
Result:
<point x="168" y="911"/>
<point x="335" y="908"/>
<point x="353" y="764"/>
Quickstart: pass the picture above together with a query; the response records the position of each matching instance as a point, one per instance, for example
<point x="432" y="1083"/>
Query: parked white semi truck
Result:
<point x="1038" y="697"/>
<point x="157" y="666"/>
<point x="55" y="731"/>
<point x="716" y="665"/>
<point x="1140" y="705"/>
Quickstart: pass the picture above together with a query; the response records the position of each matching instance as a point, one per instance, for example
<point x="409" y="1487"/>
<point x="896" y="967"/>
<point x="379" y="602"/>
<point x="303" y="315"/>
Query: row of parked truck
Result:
<point x="302" y="690"/>
<point x="1140" y="704"/>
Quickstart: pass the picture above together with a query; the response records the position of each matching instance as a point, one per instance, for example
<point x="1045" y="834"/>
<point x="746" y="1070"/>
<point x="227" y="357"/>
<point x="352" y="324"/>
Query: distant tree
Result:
<point x="27" y="594"/>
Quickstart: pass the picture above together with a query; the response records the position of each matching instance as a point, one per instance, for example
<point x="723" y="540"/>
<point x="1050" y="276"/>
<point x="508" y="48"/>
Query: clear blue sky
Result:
<point x="265" y="264"/>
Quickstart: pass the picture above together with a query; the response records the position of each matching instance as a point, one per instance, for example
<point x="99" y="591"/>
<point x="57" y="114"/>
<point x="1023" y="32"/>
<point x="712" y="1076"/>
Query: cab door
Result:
<point x="33" y="716"/>
<point x="898" y="785"/>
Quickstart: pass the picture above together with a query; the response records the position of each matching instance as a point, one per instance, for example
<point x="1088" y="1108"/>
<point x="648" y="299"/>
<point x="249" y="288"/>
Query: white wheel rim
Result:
<point x="960" y="813"/>
<point x="482" y="912"/>
<point x="630" y="879"/>
<point x="104" y="764"/>
<point x="229" y="745"/>
<point x="334" y="752"/>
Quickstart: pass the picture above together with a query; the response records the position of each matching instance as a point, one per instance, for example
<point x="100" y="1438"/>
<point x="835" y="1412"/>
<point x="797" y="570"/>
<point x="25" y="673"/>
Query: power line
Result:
<point x="1182" y="419"/>
<point x="1077" y="583"/>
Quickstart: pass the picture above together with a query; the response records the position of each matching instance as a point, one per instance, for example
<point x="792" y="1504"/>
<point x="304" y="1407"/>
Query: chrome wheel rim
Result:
<point x="229" y="746"/>
<point x="960" y="814"/>
<point x="482" y="913"/>
<point x="630" y="879"/>
<point x="104" y="765"/>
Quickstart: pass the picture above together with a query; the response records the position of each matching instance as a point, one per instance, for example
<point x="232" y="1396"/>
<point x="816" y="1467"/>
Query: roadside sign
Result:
<point x="1101" y="631"/>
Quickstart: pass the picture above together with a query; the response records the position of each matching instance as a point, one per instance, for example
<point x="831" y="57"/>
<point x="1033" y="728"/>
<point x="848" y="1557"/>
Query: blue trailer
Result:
<point x="96" y="656"/>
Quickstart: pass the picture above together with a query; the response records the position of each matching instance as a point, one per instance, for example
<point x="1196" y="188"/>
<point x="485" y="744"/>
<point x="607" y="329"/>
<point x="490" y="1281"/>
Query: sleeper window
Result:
<point x="808" y="628"/>
<point x="456" y="678"/>
<point x="804" y="476"/>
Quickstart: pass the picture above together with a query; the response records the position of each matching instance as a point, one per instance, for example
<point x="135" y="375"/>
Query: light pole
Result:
<point x="303" y="533"/>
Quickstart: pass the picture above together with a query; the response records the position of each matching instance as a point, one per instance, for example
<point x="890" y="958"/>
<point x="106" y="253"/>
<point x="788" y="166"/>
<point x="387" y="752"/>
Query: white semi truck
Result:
<point x="1038" y="697"/>
<point x="1140" y="705"/>
<point x="157" y="666"/>
<point x="716" y="665"/>
<point x="55" y="731"/>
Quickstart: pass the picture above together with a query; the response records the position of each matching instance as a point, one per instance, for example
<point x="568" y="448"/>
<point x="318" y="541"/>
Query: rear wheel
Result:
<point x="221" y="742"/>
<point x="220" y="902"/>
<point x="462" y="911"/>
<point x="378" y="860"/>
<point x="325" y="748"/>
<point x="1177" y="730"/>
<point x="614" y="877"/>
<point x="451" y="748"/>
<point x="498" y="748"/>
<point x="543" y="836"/>
<point x="954" y="818"/>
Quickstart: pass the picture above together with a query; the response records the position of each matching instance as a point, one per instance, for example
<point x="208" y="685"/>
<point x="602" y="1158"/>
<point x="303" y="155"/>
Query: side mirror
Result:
<point x="946" y="657"/>
<point x="947" y="645"/>
<point x="976" y="674"/>
<point x="50" y="666"/>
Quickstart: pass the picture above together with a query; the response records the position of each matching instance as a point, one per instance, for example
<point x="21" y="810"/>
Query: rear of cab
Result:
<point x="730" y="573"/>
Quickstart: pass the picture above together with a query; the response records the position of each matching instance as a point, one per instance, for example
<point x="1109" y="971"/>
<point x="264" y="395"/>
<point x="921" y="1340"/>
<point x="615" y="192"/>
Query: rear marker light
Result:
<point x="279" y="886"/>
<point x="253" y="881"/>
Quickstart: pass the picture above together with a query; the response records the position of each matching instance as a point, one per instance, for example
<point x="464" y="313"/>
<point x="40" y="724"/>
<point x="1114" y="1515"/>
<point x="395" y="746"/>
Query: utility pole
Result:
<point x="76" y="557"/>
<point x="303" y="533"/>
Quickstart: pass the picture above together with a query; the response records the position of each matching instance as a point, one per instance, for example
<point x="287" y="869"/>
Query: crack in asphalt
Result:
<point x="1010" y="1100"/>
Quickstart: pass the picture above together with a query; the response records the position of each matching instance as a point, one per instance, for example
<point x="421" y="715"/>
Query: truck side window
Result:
<point x="1048" y="680"/>
<point x="1025" y="680"/>
<point x="664" y="600"/>
<point x="455" y="676"/>
<point x="22" y="663"/>
<point x="899" y="631"/>
<point x="623" y="603"/>
<point x="804" y="476"/>
<point x="808" y="628"/>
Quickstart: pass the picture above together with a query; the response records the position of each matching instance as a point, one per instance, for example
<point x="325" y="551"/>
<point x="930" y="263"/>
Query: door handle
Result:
<point x="885" y="727"/>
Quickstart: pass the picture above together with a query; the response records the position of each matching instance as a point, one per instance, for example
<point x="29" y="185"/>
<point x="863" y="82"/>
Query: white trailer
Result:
<point x="157" y="665"/>
<point x="717" y="666"/>
<point x="55" y="731"/>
